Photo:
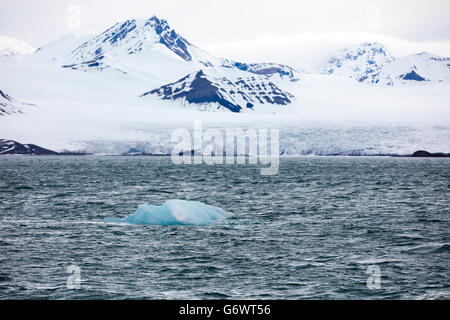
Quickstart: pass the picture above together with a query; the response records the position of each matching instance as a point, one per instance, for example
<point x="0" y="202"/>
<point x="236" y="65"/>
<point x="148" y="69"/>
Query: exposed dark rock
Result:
<point x="412" y="76"/>
<point x="5" y="96"/>
<point x="9" y="105"/>
<point x="170" y="38"/>
<point x="426" y="154"/>
<point x="13" y="147"/>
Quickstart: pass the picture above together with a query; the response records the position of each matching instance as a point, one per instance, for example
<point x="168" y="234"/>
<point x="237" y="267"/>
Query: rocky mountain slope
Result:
<point x="14" y="147"/>
<point x="223" y="93"/>
<point x="9" y="105"/>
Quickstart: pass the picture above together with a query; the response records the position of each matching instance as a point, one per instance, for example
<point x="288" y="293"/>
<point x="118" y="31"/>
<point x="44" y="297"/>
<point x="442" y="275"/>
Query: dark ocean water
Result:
<point x="311" y="231"/>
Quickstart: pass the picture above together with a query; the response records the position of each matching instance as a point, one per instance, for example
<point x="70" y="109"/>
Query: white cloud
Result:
<point x="308" y="50"/>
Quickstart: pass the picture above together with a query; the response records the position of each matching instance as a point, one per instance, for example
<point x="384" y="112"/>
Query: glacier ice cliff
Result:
<point x="174" y="212"/>
<point x="316" y="139"/>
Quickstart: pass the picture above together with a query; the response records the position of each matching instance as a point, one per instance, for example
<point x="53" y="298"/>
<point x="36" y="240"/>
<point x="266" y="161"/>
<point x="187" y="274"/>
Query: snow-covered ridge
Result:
<point x="9" y="105"/>
<point x="216" y="93"/>
<point x="371" y="63"/>
<point x="420" y="67"/>
<point x="267" y="69"/>
<point x="360" y="62"/>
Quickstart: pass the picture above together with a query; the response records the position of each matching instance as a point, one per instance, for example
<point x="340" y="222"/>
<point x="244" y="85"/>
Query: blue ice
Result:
<point x="174" y="212"/>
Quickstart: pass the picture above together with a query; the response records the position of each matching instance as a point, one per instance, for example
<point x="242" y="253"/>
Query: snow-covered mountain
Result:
<point x="9" y="105"/>
<point x="359" y="62"/>
<point x="213" y="93"/>
<point x="14" y="147"/>
<point x="10" y="46"/>
<point x="133" y="44"/>
<point x="136" y="37"/>
<point x="421" y="67"/>
<point x="371" y="63"/>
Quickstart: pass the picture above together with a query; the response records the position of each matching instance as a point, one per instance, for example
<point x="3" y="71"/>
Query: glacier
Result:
<point x="174" y="212"/>
<point x="296" y="139"/>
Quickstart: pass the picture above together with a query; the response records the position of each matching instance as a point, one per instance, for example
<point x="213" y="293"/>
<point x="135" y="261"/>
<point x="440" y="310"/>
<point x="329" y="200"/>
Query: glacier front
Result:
<point x="174" y="212"/>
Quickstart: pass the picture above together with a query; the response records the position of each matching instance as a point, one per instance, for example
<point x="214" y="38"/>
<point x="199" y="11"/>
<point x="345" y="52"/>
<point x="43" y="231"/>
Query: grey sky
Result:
<point x="231" y="26"/>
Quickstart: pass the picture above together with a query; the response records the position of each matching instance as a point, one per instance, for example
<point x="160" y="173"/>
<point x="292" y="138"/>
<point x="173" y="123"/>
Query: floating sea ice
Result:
<point x="174" y="212"/>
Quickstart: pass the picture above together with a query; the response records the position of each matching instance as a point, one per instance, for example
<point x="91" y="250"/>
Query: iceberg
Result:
<point x="174" y="212"/>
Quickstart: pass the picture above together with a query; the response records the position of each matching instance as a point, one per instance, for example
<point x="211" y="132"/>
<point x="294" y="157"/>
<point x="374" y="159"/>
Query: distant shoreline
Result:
<point x="75" y="154"/>
<point x="11" y="147"/>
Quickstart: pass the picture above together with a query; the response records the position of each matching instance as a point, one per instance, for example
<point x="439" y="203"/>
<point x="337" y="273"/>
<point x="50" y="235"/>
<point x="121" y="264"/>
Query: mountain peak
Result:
<point x="130" y="37"/>
<point x="359" y="62"/>
<point x="212" y="93"/>
<point x="169" y="37"/>
<point x="157" y="20"/>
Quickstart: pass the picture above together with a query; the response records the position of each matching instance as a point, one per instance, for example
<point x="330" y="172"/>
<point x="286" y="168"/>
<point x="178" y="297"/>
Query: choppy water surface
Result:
<point x="309" y="232"/>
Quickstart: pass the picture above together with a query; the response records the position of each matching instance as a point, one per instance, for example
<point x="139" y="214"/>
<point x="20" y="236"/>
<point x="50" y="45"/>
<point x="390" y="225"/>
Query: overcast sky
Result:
<point x="277" y="30"/>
